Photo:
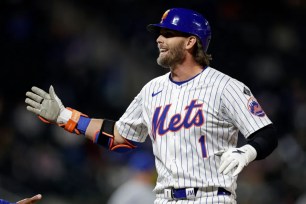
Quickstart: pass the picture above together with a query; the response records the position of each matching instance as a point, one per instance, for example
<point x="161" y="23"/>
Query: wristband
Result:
<point x="72" y="123"/>
<point x="83" y="124"/>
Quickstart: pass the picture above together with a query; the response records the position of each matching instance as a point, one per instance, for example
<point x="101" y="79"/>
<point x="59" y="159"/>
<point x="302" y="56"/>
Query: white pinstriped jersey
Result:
<point x="189" y="123"/>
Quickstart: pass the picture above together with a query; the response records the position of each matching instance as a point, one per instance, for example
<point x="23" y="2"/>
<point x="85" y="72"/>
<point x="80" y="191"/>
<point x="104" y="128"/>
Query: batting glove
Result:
<point x="236" y="159"/>
<point x="47" y="105"/>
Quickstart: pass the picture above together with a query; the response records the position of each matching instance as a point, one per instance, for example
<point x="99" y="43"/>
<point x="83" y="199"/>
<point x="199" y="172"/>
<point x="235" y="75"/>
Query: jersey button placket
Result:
<point x="171" y="139"/>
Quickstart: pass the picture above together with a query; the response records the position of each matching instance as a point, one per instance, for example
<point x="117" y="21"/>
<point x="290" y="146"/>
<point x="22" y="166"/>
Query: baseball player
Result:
<point x="192" y="115"/>
<point x="33" y="199"/>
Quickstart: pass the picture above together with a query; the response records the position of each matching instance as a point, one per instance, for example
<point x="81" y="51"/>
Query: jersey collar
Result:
<point x="179" y="83"/>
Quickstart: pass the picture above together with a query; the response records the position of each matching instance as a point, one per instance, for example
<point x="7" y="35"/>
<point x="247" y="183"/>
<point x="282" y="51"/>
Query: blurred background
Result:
<point x="98" y="55"/>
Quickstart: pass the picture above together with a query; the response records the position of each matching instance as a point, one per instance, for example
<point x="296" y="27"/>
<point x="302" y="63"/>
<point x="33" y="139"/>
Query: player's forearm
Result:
<point x="100" y="131"/>
<point x="94" y="128"/>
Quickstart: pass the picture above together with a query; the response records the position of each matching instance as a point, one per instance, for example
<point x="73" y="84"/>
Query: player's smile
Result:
<point x="163" y="51"/>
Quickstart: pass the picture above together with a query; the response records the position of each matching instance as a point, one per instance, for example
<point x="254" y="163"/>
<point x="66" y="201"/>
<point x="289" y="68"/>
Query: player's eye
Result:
<point x="168" y="34"/>
<point x="171" y="34"/>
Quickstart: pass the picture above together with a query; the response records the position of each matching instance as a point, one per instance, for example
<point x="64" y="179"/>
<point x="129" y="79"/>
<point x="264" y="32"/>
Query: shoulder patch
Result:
<point x="255" y="108"/>
<point x="246" y="91"/>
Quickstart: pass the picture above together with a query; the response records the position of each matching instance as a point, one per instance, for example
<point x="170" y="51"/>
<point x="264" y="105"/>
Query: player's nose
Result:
<point x="160" y="39"/>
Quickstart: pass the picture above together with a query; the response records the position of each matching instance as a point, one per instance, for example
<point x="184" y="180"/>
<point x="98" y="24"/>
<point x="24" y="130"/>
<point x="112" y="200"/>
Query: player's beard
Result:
<point x="174" y="56"/>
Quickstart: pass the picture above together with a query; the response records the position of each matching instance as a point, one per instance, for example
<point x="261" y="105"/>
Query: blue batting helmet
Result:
<point x="185" y="21"/>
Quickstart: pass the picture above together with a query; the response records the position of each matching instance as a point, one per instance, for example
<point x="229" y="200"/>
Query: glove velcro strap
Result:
<point x="70" y="126"/>
<point x="250" y="152"/>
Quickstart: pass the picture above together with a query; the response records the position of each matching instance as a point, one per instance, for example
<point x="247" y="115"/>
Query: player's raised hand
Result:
<point x="46" y="105"/>
<point x="34" y="199"/>
<point x="236" y="159"/>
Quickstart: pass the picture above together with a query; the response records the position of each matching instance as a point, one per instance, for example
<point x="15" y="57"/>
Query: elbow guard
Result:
<point x="105" y="138"/>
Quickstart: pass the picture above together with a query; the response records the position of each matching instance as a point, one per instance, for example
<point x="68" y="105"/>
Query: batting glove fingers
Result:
<point x="236" y="159"/>
<point x="46" y="105"/>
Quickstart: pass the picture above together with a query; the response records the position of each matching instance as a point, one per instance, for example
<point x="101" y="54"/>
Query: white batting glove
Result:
<point x="236" y="159"/>
<point x="47" y="105"/>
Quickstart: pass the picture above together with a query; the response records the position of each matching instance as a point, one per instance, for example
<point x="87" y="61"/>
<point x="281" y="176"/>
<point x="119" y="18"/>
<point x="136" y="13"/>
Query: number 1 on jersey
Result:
<point x="202" y="141"/>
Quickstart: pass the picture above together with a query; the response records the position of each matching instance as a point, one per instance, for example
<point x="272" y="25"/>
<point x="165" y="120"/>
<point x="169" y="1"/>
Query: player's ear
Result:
<point x="191" y="41"/>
